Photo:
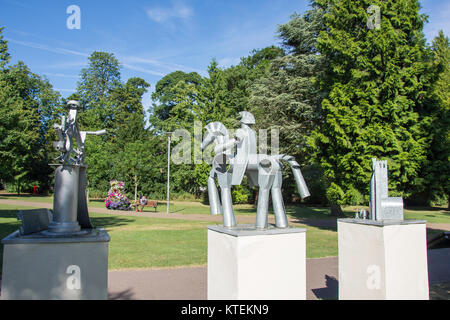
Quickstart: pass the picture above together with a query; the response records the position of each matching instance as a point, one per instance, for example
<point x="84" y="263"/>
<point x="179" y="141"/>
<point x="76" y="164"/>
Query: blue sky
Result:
<point x="152" y="38"/>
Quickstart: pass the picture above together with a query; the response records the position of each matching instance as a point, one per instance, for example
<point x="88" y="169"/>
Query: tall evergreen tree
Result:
<point x="288" y="97"/>
<point x="97" y="81"/>
<point x="4" y="54"/>
<point x="377" y="83"/>
<point x="129" y="114"/>
<point x="437" y="171"/>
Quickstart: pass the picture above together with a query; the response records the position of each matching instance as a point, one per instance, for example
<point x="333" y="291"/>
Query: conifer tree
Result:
<point x="377" y="81"/>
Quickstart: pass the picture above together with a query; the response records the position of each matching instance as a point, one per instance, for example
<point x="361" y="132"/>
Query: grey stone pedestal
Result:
<point x="51" y="267"/>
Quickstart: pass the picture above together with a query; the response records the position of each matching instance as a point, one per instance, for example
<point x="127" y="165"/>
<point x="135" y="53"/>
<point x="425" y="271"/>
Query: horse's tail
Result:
<point x="299" y="180"/>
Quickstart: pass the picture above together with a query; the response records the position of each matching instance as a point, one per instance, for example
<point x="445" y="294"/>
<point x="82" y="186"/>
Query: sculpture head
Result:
<point x="73" y="105"/>
<point x="214" y="129"/>
<point x="247" y="117"/>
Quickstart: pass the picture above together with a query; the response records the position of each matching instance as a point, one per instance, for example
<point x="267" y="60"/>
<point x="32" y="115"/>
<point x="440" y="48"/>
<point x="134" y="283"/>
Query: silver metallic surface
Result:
<point x="213" y="196"/>
<point x="65" y="200"/>
<point x="382" y="206"/>
<point x="39" y="267"/>
<point x="60" y="255"/>
<point x="264" y="171"/>
<point x="33" y="221"/>
<point x="70" y="203"/>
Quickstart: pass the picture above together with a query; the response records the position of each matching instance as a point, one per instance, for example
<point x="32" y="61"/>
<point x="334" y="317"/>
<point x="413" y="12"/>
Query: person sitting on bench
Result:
<point x="142" y="202"/>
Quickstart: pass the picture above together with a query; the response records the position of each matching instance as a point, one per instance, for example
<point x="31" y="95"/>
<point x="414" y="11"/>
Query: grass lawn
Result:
<point x="143" y="242"/>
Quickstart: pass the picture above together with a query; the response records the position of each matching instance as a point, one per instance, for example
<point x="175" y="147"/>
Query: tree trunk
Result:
<point x="336" y="210"/>
<point x="135" y="188"/>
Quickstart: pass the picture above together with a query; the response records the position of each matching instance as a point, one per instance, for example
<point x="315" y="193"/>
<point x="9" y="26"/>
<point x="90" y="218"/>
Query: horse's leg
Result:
<point x="213" y="195"/>
<point x="229" y="219"/>
<point x="265" y="181"/>
<point x="277" y="202"/>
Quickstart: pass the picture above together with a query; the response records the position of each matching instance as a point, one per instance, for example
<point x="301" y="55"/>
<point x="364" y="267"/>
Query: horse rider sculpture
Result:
<point x="262" y="170"/>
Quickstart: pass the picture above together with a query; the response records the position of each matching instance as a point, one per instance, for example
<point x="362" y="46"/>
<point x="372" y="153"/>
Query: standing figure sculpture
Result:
<point x="70" y="203"/>
<point x="262" y="170"/>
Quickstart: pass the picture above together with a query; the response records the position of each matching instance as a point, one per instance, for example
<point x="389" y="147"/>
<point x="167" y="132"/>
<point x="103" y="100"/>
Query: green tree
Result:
<point x="287" y="97"/>
<point x="129" y="114"/>
<point x="165" y="95"/>
<point x="4" y="54"/>
<point x="240" y="78"/>
<point x="28" y="105"/>
<point x="96" y="84"/>
<point x="377" y="80"/>
<point x="437" y="170"/>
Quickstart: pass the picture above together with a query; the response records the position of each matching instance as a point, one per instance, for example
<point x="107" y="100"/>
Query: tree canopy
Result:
<point x="341" y="89"/>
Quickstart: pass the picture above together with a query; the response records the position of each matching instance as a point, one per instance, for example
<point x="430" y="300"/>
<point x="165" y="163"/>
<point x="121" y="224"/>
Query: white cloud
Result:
<point x="159" y="64"/>
<point x="65" y="90"/>
<point x="162" y="14"/>
<point x="144" y="70"/>
<point x="40" y="46"/>
<point x="61" y="75"/>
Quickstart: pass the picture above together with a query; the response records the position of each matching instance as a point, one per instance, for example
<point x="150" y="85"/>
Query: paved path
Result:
<point x="190" y="283"/>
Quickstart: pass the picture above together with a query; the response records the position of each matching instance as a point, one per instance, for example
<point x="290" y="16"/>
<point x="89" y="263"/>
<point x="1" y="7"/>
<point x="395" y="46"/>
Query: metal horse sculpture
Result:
<point x="262" y="170"/>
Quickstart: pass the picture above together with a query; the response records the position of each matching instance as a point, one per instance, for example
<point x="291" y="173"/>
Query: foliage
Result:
<point x="436" y="172"/>
<point x="377" y="81"/>
<point x="339" y="93"/>
<point x="28" y="106"/>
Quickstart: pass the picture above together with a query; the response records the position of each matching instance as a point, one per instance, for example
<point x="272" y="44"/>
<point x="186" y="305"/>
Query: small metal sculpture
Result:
<point x="262" y="170"/>
<point x="383" y="207"/>
<point x="70" y="203"/>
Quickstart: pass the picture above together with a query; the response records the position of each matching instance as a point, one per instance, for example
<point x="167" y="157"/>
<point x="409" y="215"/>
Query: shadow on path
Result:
<point x="330" y="291"/>
<point x="122" y="295"/>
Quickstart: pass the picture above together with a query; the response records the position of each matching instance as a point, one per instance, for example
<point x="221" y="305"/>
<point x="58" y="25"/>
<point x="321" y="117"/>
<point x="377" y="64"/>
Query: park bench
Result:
<point x="151" y="204"/>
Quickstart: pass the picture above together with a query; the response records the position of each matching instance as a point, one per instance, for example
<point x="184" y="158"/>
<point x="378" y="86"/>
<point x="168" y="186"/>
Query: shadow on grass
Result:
<point x="443" y="209"/>
<point x="318" y="217"/>
<point x="112" y="221"/>
<point x="435" y="239"/>
<point x="10" y="196"/>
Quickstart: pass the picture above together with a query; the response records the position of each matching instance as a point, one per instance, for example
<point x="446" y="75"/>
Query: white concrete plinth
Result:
<point x="246" y="264"/>
<point x="382" y="260"/>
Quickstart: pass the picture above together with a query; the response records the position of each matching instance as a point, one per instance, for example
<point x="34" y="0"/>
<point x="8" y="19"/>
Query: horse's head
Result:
<point x="214" y="129"/>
